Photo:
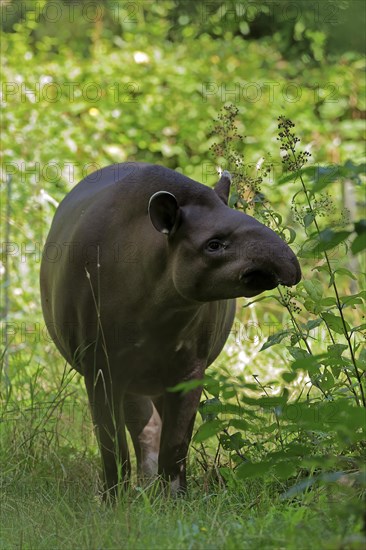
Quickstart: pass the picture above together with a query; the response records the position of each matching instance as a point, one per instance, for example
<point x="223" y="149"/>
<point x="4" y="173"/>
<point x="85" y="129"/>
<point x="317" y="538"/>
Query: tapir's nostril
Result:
<point x="259" y="278"/>
<point x="287" y="273"/>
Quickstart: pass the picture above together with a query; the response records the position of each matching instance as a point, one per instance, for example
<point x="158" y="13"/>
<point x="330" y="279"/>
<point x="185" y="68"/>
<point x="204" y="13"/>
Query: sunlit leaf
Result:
<point x="314" y="289"/>
<point x="275" y="339"/>
<point x="207" y="430"/>
<point x="335" y="323"/>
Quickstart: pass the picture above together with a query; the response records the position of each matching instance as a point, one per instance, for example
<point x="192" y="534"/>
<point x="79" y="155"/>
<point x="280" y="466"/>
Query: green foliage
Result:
<point x="325" y="432"/>
<point x="280" y="444"/>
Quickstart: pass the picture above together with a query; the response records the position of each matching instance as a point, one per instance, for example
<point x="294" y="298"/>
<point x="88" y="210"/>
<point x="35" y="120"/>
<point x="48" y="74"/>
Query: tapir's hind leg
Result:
<point x="107" y="412"/>
<point x="144" y="424"/>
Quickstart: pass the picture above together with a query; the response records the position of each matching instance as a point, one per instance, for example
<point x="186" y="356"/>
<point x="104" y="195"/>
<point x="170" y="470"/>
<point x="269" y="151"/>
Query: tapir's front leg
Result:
<point x="107" y="412"/>
<point x="179" y="414"/>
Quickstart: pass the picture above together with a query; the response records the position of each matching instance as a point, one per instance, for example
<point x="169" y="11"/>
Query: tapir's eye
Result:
<point x="215" y="246"/>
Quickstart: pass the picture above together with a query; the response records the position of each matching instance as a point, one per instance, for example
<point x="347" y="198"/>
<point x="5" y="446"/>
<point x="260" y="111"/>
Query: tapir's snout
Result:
<point x="269" y="263"/>
<point x="292" y="276"/>
<point x="269" y="278"/>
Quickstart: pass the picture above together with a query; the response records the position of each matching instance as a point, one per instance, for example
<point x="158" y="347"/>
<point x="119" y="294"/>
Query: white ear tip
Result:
<point x="226" y="174"/>
<point x="157" y="194"/>
<point x="165" y="231"/>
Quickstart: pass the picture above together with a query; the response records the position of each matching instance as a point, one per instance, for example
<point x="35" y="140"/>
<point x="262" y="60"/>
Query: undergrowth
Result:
<point x="306" y="428"/>
<point x="278" y="458"/>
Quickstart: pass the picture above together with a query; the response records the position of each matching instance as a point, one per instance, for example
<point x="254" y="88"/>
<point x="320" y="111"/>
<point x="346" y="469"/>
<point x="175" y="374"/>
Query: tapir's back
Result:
<point x="111" y="205"/>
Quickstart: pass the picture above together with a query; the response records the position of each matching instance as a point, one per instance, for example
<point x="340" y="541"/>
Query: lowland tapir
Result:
<point x="139" y="277"/>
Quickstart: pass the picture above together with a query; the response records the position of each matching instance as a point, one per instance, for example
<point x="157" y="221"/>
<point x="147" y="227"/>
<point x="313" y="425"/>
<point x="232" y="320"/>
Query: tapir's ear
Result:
<point x="163" y="211"/>
<point x="222" y="187"/>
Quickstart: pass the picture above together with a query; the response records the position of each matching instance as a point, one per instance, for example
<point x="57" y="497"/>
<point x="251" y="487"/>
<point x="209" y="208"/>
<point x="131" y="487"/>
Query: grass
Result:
<point x="43" y="513"/>
<point x="49" y="494"/>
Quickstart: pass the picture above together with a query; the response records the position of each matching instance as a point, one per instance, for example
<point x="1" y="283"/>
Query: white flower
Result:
<point x="141" y="57"/>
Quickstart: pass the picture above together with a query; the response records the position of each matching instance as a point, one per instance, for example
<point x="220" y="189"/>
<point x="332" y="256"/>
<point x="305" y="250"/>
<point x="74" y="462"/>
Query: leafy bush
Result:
<point x="279" y="434"/>
<point x="83" y="93"/>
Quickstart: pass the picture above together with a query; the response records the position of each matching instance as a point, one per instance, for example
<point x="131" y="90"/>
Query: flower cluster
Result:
<point x="288" y="300"/>
<point x="226" y="129"/>
<point x="292" y="160"/>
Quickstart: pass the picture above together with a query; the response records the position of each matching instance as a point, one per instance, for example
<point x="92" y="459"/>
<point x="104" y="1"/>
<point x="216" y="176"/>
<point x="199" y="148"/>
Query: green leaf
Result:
<point x="324" y="176"/>
<point x="292" y="177"/>
<point x="337" y="349"/>
<point x="344" y="271"/>
<point x="285" y="468"/>
<point x="334" y="361"/>
<point x="289" y="377"/>
<point x="252" y="469"/>
<point x="359" y="328"/>
<point x="271" y="428"/>
<point x="308" y="219"/>
<point x="339" y="416"/>
<point x="358" y="244"/>
<point x="234" y="197"/>
<point x="351" y="301"/>
<point x="326" y="380"/>
<point x="295" y="338"/>
<point x="335" y="322"/>
<point x="307" y="249"/>
<point x="312" y="306"/>
<point x="207" y="430"/>
<point x="292" y="234"/>
<point x="212" y="385"/>
<point x="360" y="227"/>
<point x="328" y="302"/>
<point x="361" y="361"/>
<point x="323" y="267"/>
<point x="310" y="364"/>
<point x="277" y="218"/>
<point x="238" y="423"/>
<point x="314" y="289"/>
<point x="298" y="353"/>
<point x="266" y="402"/>
<point x="209" y="408"/>
<point x="232" y="442"/>
<point x="313" y="324"/>
<point x="328" y="239"/>
<point x="228" y="392"/>
<point x="297" y="449"/>
<point x="275" y="339"/>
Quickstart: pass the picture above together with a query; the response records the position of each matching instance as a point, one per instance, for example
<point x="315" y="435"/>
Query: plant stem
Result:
<point x="331" y="273"/>
<point x="274" y="411"/>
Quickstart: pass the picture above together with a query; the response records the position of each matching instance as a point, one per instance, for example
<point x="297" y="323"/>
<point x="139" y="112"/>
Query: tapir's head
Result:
<point x="215" y="252"/>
